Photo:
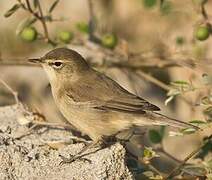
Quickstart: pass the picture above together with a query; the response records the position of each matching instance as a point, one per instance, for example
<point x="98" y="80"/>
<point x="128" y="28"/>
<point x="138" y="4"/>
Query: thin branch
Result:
<point x="43" y="22"/>
<point x="172" y="173"/>
<point x="160" y="84"/>
<point x="15" y="94"/>
<point x="154" y="80"/>
<point x="58" y="125"/>
<point x="203" y="11"/>
<point x="40" y="17"/>
<point x="92" y="23"/>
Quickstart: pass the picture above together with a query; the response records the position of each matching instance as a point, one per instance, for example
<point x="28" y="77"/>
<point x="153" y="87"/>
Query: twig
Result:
<point x="92" y="23"/>
<point x="162" y="150"/>
<point x="60" y="125"/>
<point x="141" y="161"/>
<point x="15" y="94"/>
<point x="160" y="84"/>
<point x="185" y="160"/>
<point x="203" y="11"/>
<point x="154" y="80"/>
<point x="47" y="39"/>
<point x="40" y="18"/>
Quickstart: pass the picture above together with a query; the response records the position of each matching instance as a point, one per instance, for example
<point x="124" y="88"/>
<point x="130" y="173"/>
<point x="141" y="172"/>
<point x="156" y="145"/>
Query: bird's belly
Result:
<point x="94" y="123"/>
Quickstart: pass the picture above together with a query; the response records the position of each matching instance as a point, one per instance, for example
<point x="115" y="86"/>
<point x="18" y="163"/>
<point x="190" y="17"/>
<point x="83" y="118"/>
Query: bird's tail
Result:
<point x="155" y="118"/>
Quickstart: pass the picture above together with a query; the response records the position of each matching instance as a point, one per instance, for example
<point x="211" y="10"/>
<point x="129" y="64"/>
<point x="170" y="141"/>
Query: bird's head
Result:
<point x="62" y="63"/>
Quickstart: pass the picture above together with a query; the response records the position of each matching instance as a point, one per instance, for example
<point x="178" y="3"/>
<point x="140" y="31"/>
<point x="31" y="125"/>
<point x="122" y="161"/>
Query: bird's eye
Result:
<point x="57" y="64"/>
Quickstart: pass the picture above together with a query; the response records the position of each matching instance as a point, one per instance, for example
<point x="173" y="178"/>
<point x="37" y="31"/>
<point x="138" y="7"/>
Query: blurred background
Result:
<point x="160" y="50"/>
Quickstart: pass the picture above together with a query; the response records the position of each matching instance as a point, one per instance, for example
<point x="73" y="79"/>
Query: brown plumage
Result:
<point x="93" y="102"/>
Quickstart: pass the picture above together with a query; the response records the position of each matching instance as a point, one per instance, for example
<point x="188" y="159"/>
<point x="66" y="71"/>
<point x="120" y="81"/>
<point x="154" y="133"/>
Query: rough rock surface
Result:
<point x="32" y="158"/>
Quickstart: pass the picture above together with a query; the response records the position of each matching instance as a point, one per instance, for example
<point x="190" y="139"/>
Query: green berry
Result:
<point x="149" y="3"/>
<point x="109" y="41"/>
<point x="202" y="33"/>
<point x="65" y="36"/>
<point x="82" y="27"/>
<point x="29" y="34"/>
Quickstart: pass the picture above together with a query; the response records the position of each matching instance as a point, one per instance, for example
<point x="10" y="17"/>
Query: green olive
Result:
<point x="29" y="34"/>
<point x="202" y="33"/>
<point x="65" y="36"/>
<point x="109" y="41"/>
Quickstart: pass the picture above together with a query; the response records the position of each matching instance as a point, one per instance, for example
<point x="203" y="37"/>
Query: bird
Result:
<point x="94" y="103"/>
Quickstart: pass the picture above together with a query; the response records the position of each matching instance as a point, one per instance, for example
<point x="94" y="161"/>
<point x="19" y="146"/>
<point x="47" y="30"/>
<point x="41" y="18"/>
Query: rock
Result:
<point x="32" y="158"/>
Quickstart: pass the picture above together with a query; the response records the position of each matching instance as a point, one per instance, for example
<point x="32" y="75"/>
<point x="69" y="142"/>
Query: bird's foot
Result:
<point x="72" y="159"/>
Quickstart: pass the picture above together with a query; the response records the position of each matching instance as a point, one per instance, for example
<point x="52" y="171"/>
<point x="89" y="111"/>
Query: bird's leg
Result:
<point x="99" y="143"/>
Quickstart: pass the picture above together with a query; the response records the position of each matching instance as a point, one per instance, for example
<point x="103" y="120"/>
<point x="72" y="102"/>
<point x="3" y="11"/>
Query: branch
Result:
<point x="15" y="94"/>
<point x="39" y="17"/>
<point x="92" y="23"/>
<point x="186" y="159"/>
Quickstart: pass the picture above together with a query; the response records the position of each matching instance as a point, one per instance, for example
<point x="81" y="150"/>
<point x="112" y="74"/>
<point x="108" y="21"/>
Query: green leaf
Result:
<point x="12" y="10"/>
<point x="25" y="23"/>
<point x="53" y="6"/>
<point x="180" y="82"/>
<point x="149" y="153"/>
<point x="188" y="130"/>
<point x="155" y="136"/>
<point x="197" y="122"/>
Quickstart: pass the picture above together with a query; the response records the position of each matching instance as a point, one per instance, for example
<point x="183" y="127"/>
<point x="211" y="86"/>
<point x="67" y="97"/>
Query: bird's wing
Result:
<point x="105" y="94"/>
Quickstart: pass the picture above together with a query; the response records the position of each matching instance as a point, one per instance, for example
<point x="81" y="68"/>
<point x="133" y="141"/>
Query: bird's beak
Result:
<point x="36" y="60"/>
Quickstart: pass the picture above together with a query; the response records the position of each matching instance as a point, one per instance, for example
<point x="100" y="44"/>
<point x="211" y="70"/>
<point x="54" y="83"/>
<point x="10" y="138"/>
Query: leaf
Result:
<point x="208" y="111"/>
<point x="188" y="130"/>
<point x="149" y="153"/>
<point x="12" y="10"/>
<point x="206" y="149"/>
<point x="173" y="92"/>
<point x="180" y="82"/>
<point x="23" y="24"/>
<point x="155" y="136"/>
<point x="148" y="174"/>
<point x="194" y="170"/>
<point x="197" y="122"/>
<point x="173" y="134"/>
<point x="53" y="6"/>
<point x="169" y="99"/>
<point x="207" y="100"/>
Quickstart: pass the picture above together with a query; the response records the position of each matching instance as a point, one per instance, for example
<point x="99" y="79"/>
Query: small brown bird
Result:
<point x="94" y="103"/>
